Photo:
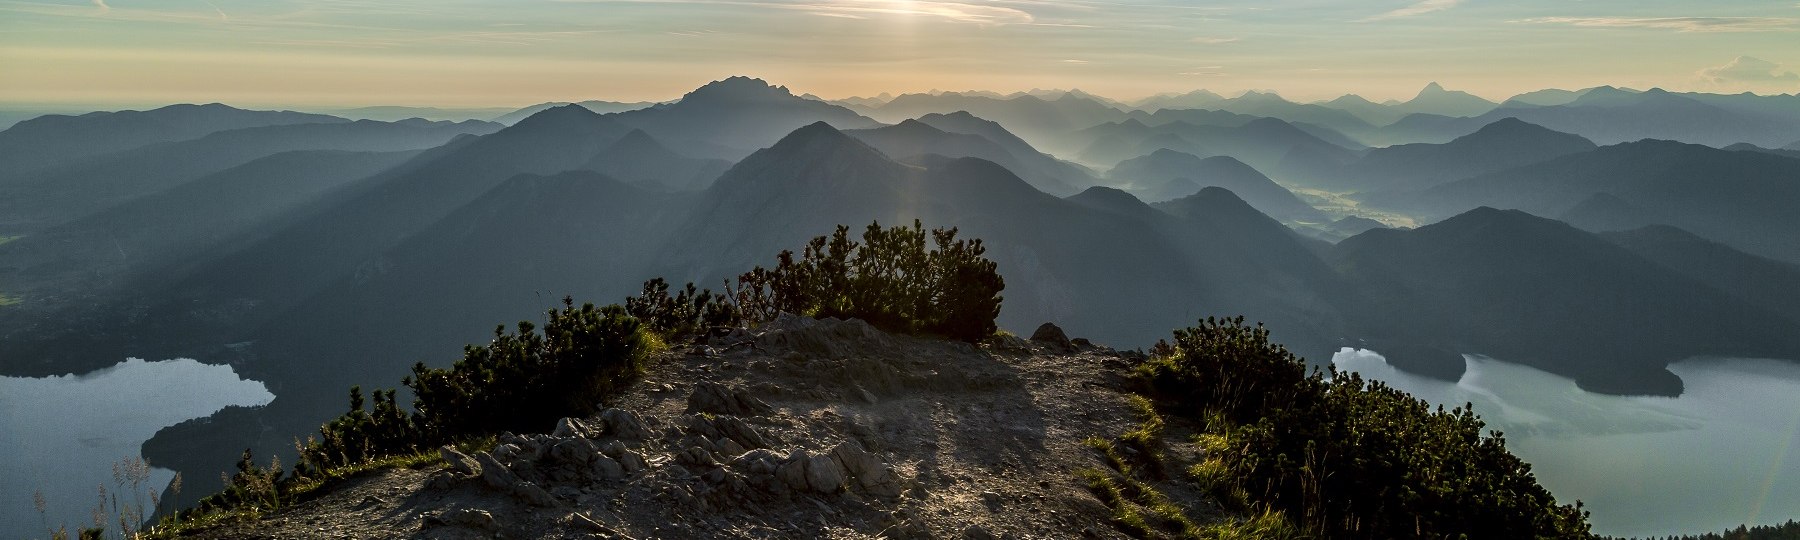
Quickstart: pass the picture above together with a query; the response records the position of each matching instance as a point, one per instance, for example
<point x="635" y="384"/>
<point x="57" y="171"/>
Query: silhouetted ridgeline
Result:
<point x="1785" y="531"/>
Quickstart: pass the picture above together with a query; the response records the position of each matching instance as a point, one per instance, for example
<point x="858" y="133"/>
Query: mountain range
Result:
<point x="57" y="139"/>
<point x="1743" y="199"/>
<point x="245" y="237"/>
<point x="53" y="195"/>
<point x="1167" y="174"/>
<point x="1504" y="144"/>
<point x="1608" y="115"/>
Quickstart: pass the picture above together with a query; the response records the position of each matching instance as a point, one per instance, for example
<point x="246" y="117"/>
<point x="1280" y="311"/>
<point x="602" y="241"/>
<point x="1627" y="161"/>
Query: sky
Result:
<point x="467" y="53"/>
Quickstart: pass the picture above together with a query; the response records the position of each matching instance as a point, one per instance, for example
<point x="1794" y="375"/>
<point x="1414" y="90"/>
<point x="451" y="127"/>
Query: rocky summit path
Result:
<point x="799" y="429"/>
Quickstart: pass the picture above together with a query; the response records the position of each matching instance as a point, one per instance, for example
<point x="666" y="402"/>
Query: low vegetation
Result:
<point x="892" y="279"/>
<point x="1338" y="456"/>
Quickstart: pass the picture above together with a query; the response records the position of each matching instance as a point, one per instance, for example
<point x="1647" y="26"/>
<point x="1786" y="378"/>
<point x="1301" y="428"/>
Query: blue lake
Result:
<point x="62" y="435"/>
<point x="1726" y="452"/>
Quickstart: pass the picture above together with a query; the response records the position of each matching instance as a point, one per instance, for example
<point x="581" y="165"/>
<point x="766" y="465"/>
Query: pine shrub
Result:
<point x="899" y="279"/>
<point x="1344" y="457"/>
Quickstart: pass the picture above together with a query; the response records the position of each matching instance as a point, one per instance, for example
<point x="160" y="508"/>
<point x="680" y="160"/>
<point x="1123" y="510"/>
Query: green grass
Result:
<point x="1148" y="434"/>
<point x="1268" y="525"/>
<point x="1142" y="511"/>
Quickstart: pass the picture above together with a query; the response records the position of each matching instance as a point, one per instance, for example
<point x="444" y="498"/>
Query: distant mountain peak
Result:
<point x="1432" y="88"/>
<point x="1488" y="216"/>
<point x="958" y="115"/>
<point x="1230" y="164"/>
<point x="1252" y="95"/>
<point x="737" y="89"/>
<point x="914" y="126"/>
<point x="1165" y="153"/>
<point x="814" y="133"/>
<point x="1510" y="128"/>
<point x="1112" y="199"/>
<point x="560" y="116"/>
<point x="1218" y="202"/>
<point x="638" y="141"/>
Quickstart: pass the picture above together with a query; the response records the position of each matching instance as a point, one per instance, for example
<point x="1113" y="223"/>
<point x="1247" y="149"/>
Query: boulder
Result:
<point x="871" y="474"/>
<point x="824" y="475"/>
<point x="759" y="461"/>
<point x="696" y="456"/>
<point x="470" y="518"/>
<point x="729" y="428"/>
<point x="533" y="495"/>
<point x="500" y="478"/>
<point x="441" y="481"/>
<point x="1051" y="335"/>
<point x="570" y="427"/>
<point x="624" y="425"/>
<point x="633" y="462"/>
<point x="728" y="447"/>
<point x="712" y="397"/>
<point x="792" y="471"/>
<point x="606" y="468"/>
<point x="978" y="532"/>
<point x="574" y="451"/>
<point x="495" y="474"/>
<point x="459" y="462"/>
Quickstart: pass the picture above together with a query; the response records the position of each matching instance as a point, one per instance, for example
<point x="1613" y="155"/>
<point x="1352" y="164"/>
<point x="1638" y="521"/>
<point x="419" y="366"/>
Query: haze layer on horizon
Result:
<point x="466" y="53"/>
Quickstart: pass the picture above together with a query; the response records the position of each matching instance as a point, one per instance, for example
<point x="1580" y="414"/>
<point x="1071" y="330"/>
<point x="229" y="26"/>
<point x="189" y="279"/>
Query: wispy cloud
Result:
<point x="221" y="12"/>
<point x="965" y="12"/>
<point x="1747" y="69"/>
<point x="102" y="5"/>
<point x="1678" y="24"/>
<point x="1421" y="8"/>
<point x="952" y="11"/>
<point x="1214" y="40"/>
<point x="514" y="38"/>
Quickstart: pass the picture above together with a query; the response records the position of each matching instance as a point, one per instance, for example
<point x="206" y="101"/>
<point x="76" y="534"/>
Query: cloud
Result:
<point x="221" y="12"/>
<point x="1421" y="8"/>
<point x="965" y="12"/>
<point x="1747" y="69"/>
<point x="1215" y="40"/>
<point x="1679" y="24"/>
<point x="102" y="5"/>
<point x="953" y="11"/>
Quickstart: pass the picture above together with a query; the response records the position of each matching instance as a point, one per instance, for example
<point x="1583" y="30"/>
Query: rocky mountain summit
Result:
<point x="799" y="428"/>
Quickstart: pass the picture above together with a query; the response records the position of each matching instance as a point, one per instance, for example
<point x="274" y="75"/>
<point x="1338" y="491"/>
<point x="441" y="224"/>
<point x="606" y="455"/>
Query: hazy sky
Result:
<point x="516" y="52"/>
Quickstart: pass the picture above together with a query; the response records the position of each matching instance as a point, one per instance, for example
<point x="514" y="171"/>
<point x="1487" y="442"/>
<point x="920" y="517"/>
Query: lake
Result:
<point x="63" y="434"/>
<point x="1723" y="454"/>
